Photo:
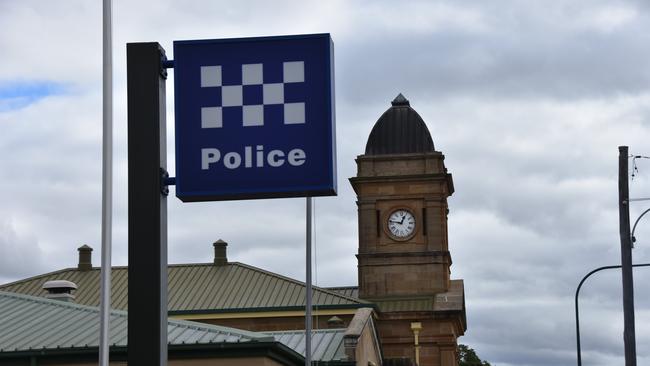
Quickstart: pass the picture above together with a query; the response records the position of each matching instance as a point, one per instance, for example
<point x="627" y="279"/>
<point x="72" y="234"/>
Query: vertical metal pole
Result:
<point x="578" y="347"/>
<point x="308" y="319"/>
<point x="629" y="337"/>
<point x="107" y="181"/>
<point x="147" y="328"/>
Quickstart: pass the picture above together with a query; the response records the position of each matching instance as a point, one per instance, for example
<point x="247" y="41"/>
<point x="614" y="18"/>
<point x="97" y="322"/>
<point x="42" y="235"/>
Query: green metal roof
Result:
<point x="452" y="300"/>
<point x="36" y="324"/>
<point x="30" y="323"/>
<point x="197" y="287"/>
<point x="327" y="344"/>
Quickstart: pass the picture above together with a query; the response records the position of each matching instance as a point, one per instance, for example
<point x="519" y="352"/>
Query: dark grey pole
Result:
<point x="147" y="332"/>
<point x="629" y="337"/>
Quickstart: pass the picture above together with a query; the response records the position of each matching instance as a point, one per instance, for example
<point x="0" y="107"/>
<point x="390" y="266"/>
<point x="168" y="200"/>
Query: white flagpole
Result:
<point x="107" y="182"/>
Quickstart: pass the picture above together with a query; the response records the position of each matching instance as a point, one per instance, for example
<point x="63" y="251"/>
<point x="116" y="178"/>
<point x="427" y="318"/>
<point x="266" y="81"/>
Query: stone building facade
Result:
<point x="404" y="262"/>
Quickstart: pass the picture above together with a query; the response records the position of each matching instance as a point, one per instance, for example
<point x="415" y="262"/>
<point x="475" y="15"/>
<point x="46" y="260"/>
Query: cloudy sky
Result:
<point x="528" y="100"/>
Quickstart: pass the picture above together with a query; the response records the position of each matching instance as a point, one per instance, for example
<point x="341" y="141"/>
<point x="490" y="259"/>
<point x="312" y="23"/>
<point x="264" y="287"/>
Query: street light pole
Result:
<point x="578" y="349"/>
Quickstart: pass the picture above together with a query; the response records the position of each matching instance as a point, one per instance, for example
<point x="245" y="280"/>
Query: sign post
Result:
<point x="147" y="328"/>
<point x="254" y="118"/>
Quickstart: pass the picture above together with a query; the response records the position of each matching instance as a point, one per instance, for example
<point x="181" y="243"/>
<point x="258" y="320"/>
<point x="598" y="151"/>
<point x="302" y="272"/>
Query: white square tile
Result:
<point x="232" y="96"/>
<point x="294" y="71"/>
<point x="210" y="76"/>
<point x="211" y="117"/>
<point x="253" y="115"/>
<point x="273" y="93"/>
<point x="252" y="74"/>
<point x="294" y="113"/>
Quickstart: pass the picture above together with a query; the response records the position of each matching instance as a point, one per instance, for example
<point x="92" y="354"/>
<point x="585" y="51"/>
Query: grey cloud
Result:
<point x="20" y="253"/>
<point x="448" y="65"/>
<point x="528" y="51"/>
<point x="528" y="102"/>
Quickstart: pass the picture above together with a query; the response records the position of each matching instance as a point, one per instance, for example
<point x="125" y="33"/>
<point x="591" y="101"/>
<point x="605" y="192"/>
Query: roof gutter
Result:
<point x="272" y="309"/>
<point x="271" y="349"/>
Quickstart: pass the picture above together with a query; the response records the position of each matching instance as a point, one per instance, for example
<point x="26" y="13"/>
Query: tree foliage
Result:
<point x="468" y="357"/>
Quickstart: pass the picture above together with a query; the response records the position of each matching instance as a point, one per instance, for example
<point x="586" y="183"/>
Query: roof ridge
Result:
<point x="296" y="331"/>
<point x="191" y="264"/>
<point x="277" y="275"/>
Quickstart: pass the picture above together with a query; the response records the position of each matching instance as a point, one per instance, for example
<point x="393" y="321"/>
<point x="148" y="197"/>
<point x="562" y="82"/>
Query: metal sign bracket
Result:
<point x="166" y="181"/>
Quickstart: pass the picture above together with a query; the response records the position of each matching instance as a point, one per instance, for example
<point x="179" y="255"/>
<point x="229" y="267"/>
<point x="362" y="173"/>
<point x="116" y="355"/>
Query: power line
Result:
<point x="635" y="169"/>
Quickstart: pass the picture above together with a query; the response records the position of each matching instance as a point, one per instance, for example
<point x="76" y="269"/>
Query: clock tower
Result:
<point x="402" y="186"/>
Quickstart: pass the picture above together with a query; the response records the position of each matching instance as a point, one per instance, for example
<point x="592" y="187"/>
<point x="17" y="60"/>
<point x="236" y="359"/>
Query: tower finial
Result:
<point x="400" y="100"/>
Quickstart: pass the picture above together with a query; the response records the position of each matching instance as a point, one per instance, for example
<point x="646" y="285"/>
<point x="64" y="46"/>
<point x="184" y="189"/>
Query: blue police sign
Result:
<point x="254" y="118"/>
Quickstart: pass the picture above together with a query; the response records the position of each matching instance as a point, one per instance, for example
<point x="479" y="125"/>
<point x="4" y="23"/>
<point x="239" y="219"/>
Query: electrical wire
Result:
<point x="635" y="169"/>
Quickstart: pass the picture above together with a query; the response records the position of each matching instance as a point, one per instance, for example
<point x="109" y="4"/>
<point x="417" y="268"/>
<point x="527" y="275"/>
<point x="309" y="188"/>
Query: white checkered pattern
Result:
<point x="272" y="94"/>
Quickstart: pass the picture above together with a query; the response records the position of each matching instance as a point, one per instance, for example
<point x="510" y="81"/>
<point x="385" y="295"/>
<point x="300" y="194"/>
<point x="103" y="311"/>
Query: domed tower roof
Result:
<point x="400" y="130"/>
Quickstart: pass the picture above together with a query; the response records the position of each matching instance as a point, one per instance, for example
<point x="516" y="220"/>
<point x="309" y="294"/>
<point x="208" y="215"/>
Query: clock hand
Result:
<point x="402" y="222"/>
<point x="394" y="222"/>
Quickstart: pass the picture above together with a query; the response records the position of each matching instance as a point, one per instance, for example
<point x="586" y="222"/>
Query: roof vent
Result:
<point x="60" y="290"/>
<point x="335" y="322"/>
<point x="220" y="257"/>
<point x="85" y="258"/>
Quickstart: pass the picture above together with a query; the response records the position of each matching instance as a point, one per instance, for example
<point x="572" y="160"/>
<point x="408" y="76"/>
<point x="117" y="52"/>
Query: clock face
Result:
<point x="401" y="224"/>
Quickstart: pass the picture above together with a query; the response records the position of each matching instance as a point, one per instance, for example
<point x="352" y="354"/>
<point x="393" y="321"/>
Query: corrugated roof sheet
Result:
<point x="33" y="323"/>
<point x="327" y="344"/>
<point x="349" y="291"/>
<point x="29" y="323"/>
<point x="196" y="287"/>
